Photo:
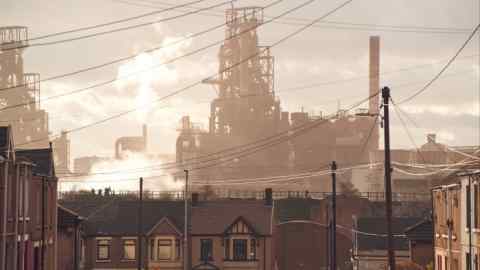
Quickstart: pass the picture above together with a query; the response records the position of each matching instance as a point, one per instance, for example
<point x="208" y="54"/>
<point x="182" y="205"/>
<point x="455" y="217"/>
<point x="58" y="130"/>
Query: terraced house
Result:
<point x="28" y="210"/>
<point x="223" y="234"/>
<point x="456" y="222"/>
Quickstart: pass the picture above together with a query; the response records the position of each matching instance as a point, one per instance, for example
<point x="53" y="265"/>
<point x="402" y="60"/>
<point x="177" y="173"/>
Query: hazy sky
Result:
<point x="449" y="108"/>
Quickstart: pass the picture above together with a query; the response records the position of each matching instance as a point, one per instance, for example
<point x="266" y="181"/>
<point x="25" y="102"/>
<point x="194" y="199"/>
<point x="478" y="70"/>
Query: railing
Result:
<point x="240" y="194"/>
<point x="13" y="36"/>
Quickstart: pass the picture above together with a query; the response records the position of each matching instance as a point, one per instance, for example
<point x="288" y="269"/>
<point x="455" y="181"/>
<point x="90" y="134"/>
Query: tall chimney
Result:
<point x="374" y="74"/>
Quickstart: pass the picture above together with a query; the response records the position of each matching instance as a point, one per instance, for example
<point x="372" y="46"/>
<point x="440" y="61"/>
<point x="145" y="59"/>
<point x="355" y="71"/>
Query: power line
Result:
<point x="372" y="128"/>
<point x="85" y="28"/>
<point x="401" y="112"/>
<point x="118" y="29"/>
<point x="336" y="24"/>
<point x="423" y="89"/>
<point x="122" y="59"/>
<point x="133" y="74"/>
<point x="407" y="131"/>
<point x="214" y="75"/>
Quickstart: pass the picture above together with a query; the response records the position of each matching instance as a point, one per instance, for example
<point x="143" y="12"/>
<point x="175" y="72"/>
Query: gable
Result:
<point x="164" y="227"/>
<point x="240" y="226"/>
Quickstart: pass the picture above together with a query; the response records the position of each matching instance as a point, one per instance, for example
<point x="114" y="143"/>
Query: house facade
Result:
<point x="70" y="239"/>
<point x="231" y="234"/>
<point x="447" y="226"/>
<point x="112" y="236"/>
<point x="28" y="218"/>
<point x="223" y="234"/>
<point x="420" y="242"/>
<point x="370" y="242"/>
<point x="470" y="220"/>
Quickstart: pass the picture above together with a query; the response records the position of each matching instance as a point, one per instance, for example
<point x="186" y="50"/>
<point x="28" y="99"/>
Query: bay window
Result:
<point x="239" y="249"/>
<point x="164" y="249"/>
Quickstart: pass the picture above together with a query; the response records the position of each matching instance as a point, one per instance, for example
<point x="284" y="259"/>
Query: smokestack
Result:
<point x="374" y="74"/>
<point x="144" y="134"/>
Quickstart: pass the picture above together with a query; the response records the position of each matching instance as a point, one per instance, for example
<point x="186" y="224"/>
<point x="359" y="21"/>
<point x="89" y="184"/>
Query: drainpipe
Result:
<point x="16" y="210"/>
<point x="3" y="231"/>
<point x="264" y="253"/>
<point x="75" y="246"/>
<point x="449" y="226"/>
<point x="23" y="242"/>
<point x="42" y="247"/>
<point x="469" y="211"/>
<point x="433" y="235"/>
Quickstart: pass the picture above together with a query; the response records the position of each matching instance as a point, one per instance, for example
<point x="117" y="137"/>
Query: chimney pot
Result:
<point x="268" y="197"/>
<point x="195" y="197"/>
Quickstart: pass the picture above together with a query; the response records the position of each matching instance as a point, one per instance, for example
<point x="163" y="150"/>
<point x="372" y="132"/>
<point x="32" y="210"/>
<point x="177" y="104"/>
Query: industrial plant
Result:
<point x="261" y="187"/>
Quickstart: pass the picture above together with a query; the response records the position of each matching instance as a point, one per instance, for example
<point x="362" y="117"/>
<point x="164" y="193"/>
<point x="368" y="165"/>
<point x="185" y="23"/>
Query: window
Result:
<point x="439" y="262"/>
<point x="206" y="250"/>
<point x="239" y="249"/>
<point x="226" y="254"/>
<point x="129" y="249"/>
<point x="476" y="262"/>
<point x="82" y="250"/>
<point x="253" y="249"/>
<point x="164" y="250"/>
<point x="103" y="249"/>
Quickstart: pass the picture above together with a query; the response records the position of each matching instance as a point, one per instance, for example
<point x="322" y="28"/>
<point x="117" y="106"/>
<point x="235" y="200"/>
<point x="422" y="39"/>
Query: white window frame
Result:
<point x="96" y="249"/>
<point x="123" y="248"/>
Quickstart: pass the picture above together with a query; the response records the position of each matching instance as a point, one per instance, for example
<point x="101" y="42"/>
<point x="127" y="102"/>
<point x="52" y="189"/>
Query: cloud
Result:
<point x="468" y="109"/>
<point x="123" y="174"/>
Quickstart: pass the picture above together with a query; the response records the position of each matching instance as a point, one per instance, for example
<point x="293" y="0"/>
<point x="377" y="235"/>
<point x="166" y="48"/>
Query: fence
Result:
<point x="239" y="194"/>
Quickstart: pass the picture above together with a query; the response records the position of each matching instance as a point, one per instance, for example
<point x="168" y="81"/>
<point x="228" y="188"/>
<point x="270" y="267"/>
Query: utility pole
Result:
<point x="334" y="216"/>
<point x="469" y="222"/>
<point x="140" y="224"/>
<point x="44" y="208"/>
<point x="185" y="226"/>
<point x="328" y="245"/>
<point x="388" y="177"/>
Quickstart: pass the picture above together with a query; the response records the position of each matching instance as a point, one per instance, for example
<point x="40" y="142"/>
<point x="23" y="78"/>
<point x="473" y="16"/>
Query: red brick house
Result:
<point x="224" y="233"/>
<point x="370" y="243"/>
<point x="28" y="211"/>
<point x="447" y="215"/>
<point x="111" y="235"/>
<point x="70" y="240"/>
<point x="231" y="234"/>
<point x="420" y="242"/>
